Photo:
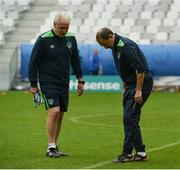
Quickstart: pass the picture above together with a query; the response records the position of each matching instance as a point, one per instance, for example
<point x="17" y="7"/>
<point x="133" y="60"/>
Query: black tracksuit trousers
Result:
<point x="131" y="118"/>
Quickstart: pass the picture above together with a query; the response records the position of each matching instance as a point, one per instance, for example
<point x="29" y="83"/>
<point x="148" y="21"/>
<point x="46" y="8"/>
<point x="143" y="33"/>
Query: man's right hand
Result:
<point x="34" y="90"/>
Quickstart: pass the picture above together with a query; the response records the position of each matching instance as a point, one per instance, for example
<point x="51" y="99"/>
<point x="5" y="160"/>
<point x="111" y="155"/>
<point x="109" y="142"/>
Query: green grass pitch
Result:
<point x="92" y="132"/>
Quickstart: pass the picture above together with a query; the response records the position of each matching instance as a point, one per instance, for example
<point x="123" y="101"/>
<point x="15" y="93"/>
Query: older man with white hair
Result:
<point x="53" y="53"/>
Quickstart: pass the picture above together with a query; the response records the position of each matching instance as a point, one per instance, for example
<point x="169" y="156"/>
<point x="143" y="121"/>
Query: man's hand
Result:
<point x="138" y="97"/>
<point x="139" y="85"/>
<point x="34" y="90"/>
<point x="80" y="89"/>
<point x="36" y="95"/>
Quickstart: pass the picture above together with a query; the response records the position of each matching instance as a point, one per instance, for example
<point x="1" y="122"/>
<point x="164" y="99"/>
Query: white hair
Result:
<point x="62" y="16"/>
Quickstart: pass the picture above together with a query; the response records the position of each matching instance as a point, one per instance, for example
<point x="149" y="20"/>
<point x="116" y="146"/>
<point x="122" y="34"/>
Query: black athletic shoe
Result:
<point x="52" y="153"/>
<point x="123" y="158"/>
<point x="61" y="153"/>
<point x="140" y="158"/>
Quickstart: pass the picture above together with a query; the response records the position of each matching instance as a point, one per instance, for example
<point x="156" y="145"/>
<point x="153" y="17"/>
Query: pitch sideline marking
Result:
<point x="75" y="120"/>
<point x="149" y="150"/>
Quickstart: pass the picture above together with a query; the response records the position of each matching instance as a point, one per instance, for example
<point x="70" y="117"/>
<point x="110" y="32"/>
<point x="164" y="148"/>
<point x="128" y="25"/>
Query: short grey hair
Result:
<point x="62" y="16"/>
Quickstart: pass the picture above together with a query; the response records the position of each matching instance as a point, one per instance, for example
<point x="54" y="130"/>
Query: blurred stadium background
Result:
<point x="153" y="24"/>
<point x="92" y="128"/>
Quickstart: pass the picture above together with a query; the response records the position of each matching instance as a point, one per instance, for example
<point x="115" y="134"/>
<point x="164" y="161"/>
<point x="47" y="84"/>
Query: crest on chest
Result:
<point x="69" y="45"/>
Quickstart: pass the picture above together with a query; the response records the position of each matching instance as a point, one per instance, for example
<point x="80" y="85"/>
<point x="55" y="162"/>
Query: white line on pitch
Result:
<point x="150" y="150"/>
<point x="76" y="120"/>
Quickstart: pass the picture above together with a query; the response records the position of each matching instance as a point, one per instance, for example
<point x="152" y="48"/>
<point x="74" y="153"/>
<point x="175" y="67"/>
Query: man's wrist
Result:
<point x="138" y="89"/>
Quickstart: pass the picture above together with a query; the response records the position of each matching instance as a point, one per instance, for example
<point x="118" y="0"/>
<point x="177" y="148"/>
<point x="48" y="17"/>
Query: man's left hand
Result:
<point x="138" y="97"/>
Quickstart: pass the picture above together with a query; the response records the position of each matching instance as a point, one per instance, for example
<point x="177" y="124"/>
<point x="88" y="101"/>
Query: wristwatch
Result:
<point x="82" y="82"/>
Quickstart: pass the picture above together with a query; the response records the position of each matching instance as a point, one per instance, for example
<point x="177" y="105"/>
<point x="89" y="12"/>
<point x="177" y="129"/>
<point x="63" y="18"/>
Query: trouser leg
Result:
<point x="131" y="118"/>
<point x="138" y="143"/>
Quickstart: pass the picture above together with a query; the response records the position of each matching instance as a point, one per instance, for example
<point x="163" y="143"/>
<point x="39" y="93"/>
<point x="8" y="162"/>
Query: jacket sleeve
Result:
<point x="34" y="62"/>
<point x="135" y="57"/>
<point x="75" y="60"/>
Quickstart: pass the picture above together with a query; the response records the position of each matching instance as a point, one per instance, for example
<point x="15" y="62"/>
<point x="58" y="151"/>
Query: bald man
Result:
<point x="49" y="66"/>
<point x="133" y="70"/>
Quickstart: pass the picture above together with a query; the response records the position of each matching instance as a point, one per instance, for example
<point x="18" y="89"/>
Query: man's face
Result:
<point x="106" y="43"/>
<point x="61" y="28"/>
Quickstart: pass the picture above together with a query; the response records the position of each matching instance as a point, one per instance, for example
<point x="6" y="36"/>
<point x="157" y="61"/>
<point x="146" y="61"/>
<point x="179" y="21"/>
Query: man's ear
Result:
<point x="110" y="35"/>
